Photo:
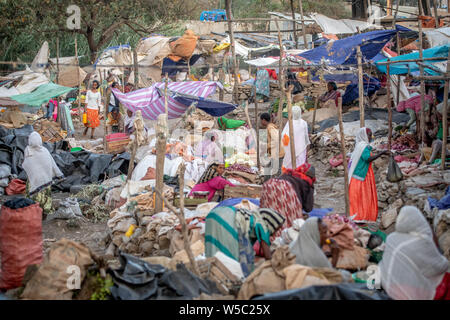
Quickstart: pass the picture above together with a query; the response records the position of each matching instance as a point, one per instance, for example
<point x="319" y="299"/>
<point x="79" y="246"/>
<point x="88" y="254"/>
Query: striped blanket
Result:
<point x="151" y="100"/>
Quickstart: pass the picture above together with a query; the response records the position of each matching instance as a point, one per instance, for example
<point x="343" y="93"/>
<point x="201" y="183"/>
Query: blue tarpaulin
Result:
<point x="371" y="85"/>
<point x="409" y="67"/>
<point x="234" y="201"/>
<point x="442" y="204"/>
<point x="343" y="52"/>
<point x="211" y="107"/>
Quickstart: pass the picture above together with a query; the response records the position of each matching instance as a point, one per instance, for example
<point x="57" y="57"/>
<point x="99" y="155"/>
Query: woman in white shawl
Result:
<point x="362" y="187"/>
<point x="208" y="149"/>
<point x="301" y="139"/>
<point x="41" y="169"/>
<point x="128" y="122"/>
<point x="412" y="266"/>
<point x="308" y="246"/>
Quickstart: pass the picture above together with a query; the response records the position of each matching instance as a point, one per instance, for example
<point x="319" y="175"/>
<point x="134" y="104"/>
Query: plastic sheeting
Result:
<point x="341" y="26"/>
<point x="139" y="280"/>
<point x="79" y="168"/>
<point x="42" y="94"/>
<point x="343" y="52"/>
<point x="344" y="291"/>
<point x="438" y="37"/>
<point x="409" y="67"/>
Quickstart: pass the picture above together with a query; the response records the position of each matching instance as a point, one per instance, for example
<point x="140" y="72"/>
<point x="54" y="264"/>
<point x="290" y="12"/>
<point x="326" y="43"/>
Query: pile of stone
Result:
<point x="245" y="92"/>
<point x="392" y="196"/>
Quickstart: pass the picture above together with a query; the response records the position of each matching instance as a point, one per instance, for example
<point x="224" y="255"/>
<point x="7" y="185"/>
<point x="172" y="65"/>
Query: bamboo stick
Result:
<point x="136" y="69"/>
<point x="388" y="87"/>
<point x="445" y="117"/>
<point x="180" y="215"/>
<point x="166" y="102"/>
<point x="436" y="13"/>
<point x="268" y="19"/>
<point x="281" y="83"/>
<point x="305" y="43"/>
<point x="291" y="127"/>
<point x="411" y="60"/>
<point x="344" y="158"/>
<point x="233" y="49"/>
<point x="79" y="84"/>
<point x="316" y="104"/>
<point x="258" y="163"/>
<point x="422" y="86"/>
<point x="161" y="137"/>
<point x="57" y="61"/>
<point x="107" y="99"/>
<point x="361" y="88"/>
<point x="294" y="24"/>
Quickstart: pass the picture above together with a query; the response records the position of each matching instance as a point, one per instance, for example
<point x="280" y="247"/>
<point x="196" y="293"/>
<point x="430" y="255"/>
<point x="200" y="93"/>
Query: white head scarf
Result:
<point x="412" y="266"/>
<point x="362" y="141"/>
<point x="129" y="121"/>
<point x="300" y="136"/>
<point x="39" y="164"/>
<point x="307" y="246"/>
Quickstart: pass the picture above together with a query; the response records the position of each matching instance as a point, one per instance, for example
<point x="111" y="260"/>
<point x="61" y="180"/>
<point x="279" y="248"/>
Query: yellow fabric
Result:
<point x="272" y="138"/>
<point x="221" y="47"/>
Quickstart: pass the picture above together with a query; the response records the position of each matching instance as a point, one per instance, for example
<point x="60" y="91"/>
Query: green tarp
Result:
<point x="42" y="94"/>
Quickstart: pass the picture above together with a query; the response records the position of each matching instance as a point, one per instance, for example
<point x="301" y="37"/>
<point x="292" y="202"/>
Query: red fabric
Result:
<point x="300" y="172"/>
<point x="20" y="243"/>
<point x="272" y="74"/>
<point x="279" y="195"/>
<point x="92" y="118"/>
<point x="116" y="137"/>
<point x="443" y="289"/>
<point x="363" y="198"/>
<point x="16" y="186"/>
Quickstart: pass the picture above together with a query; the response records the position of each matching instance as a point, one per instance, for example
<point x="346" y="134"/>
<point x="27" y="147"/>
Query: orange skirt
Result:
<point x="363" y="198"/>
<point x="92" y="118"/>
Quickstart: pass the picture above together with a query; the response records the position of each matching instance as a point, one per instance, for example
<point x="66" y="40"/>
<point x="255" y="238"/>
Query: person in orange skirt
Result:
<point x="93" y="99"/>
<point x="362" y="188"/>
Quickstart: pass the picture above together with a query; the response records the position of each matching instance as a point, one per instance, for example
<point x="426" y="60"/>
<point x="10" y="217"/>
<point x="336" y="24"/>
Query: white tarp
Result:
<point x="438" y="37"/>
<point x="404" y="93"/>
<point x="40" y="61"/>
<point x="30" y="81"/>
<point x="243" y="51"/>
<point x="329" y="25"/>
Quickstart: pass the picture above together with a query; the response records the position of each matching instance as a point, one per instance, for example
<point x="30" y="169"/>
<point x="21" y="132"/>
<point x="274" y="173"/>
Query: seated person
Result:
<point x="228" y="230"/>
<point x="115" y="122"/>
<point x="330" y="98"/>
<point x="412" y="267"/>
<point x="212" y="180"/>
<point x="308" y="246"/>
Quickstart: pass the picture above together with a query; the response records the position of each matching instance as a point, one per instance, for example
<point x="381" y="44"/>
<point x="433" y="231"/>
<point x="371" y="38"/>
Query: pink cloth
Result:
<point x="216" y="183"/>
<point x="413" y="103"/>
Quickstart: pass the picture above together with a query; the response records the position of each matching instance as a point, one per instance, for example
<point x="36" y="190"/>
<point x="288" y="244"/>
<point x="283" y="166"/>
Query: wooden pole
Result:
<point x="291" y="127"/>
<point x="222" y="81"/>
<point x="282" y="90"/>
<point x="445" y="117"/>
<point x="166" y="102"/>
<point x="180" y="215"/>
<point x="136" y="69"/>
<point x="435" y="4"/>
<point x="344" y="158"/>
<point x="161" y="128"/>
<point x="361" y="88"/>
<point x="258" y="163"/>
<point x="107" y="99"/>
<point x="57" y="61"/>
<point x="316" y="104"/>
<point x="422" y="86"/>
<point x="123" y="80"/>
<point x="388" y="87"/>
<point x="411" y="60"/>
<point x="184" y="230"/>
<point x="389" y="8"/>
<point x="305" y="43"/>
<point x="398" y="76"/>
<point x="79" y="82"/>
<point x="233" y="49"/>
<point x="294" y="24"/>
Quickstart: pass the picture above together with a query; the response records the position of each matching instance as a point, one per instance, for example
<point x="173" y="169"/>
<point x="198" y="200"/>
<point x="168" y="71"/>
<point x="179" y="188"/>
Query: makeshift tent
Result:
<point x="212" y="107"/>
<point x="343" y="52"/>
<point x="28" y="81"/>
<point x="408" y="67"/>
<point x="151" y="100"/>
<point x="341" y="26"/>
<point x="42" y="94"/>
